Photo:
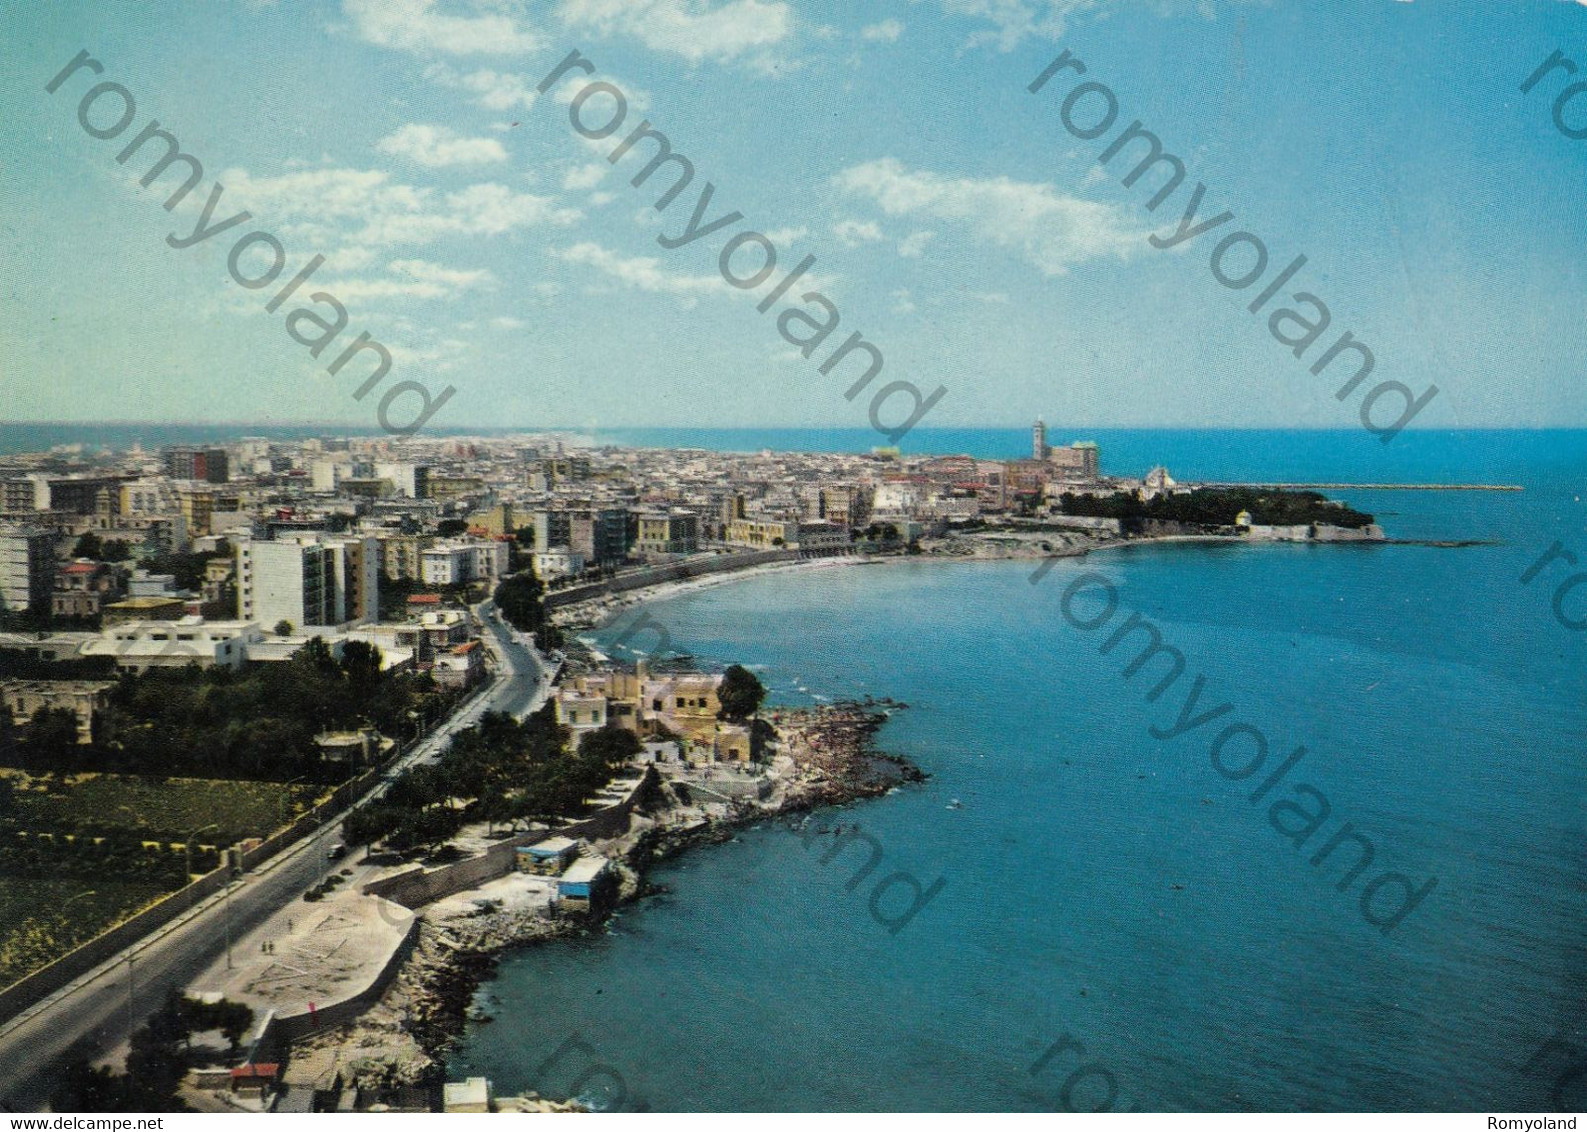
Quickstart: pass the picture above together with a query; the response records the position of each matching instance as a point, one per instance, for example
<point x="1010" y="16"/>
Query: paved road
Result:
<point x="96" y="1009"/>
<point x="527" y="686"/>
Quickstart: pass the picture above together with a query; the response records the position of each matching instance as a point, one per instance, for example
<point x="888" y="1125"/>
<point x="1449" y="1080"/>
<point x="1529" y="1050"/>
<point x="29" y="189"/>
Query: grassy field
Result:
<point x="165" y="809"/>
<point x="41" y="920"/>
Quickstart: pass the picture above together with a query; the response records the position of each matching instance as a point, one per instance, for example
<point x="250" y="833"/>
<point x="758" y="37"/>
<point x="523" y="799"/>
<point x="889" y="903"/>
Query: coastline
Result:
<point x="406" y="1038"/>
<point x="599" y="611"/>
<point x="825" y="756"/>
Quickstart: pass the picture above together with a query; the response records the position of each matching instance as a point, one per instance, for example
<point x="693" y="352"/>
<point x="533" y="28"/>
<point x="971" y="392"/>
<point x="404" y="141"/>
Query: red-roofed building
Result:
<point x="255" y="1078"/>
<point x="83" y="587"/>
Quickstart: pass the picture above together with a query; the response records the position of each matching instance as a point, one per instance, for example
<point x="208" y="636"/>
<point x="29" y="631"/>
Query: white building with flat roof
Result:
<point x="27" y="569"/>
<point x="459" y="561"/>
<point x="308" y="579"/>
<point x="139" y="645"/>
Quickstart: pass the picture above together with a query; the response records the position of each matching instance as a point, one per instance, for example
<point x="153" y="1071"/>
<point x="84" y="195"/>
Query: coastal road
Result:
<point x="529" y="681"/>
<point x="101" y="1008"/>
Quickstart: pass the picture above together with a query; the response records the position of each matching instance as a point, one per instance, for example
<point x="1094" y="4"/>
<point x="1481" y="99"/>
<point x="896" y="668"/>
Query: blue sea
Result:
<point x="1118" y="924"/>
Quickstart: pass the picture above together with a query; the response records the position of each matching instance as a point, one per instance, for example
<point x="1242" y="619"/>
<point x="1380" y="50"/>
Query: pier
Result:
<point x="1374" y="486"/>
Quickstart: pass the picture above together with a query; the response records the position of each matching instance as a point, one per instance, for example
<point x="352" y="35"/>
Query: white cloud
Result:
<point x="507" y="322"/>
<point x="493" y="90"/>
<point x="416" y="25"/>
<point x="857" y="232"/>
<point x="367" y="207"/>
<point x="914" y="244"/>
<point x="601" y="200"/>
<point x="642" y="273"/>
<point x="436" y="147"/>
<point x="566" y="92"/>
<point x="887" y="31"/>
<point x="782" y="237"/>
<point x="1050" y="230"/>
<point x="411" y="278"/>
<point x="585" y="176"/>
<point x="902" y="303"/>
<point x="693" y="29"/>
<point x="1017" y="20"/>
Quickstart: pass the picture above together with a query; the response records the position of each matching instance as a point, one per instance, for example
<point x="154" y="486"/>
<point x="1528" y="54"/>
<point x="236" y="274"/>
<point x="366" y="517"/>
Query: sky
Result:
<point x="956" y="222"/>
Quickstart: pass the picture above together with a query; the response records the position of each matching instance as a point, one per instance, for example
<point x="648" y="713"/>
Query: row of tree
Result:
<point x="1219" y="507"/>
<point x="499" y="771"/>
<point x="521" y="599"/>
<point x="258" y="723"/>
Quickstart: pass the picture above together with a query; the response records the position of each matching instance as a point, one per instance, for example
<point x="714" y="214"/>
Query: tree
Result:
<point x="51" y="734"/>
<point x="283" y="628"/>
<point x="83" y="1088"/>
<point x="361" y="663"/>
<point x="115" y="550"/>
<point x="610" y="747"/>
<point x="519" y="598"/>
<point x="740" y="693"/>
<point x="88" y="546"/>
<point x="450" y="528"/>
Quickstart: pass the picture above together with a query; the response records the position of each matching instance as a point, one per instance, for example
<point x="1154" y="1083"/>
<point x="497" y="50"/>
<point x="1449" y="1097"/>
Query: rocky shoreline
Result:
<point x="824" y="756"/>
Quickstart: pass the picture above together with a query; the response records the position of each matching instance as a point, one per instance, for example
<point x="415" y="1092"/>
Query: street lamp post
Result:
<point x="132" y="1012"/>
<point x="228" y="919"/>
<point x="187" y="850"/>
<point x="286" y="796"/>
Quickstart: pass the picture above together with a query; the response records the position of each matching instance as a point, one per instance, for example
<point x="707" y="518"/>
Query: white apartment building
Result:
<point x="459" y="561"/>
<point x="551" y="564"/>
<point x="27" y="569"/>
<point x="308" y="579"/>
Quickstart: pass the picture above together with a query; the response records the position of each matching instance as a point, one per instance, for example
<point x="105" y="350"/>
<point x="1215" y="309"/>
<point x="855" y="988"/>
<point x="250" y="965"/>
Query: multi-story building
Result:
<point x="1080" y="462"/>
<point x="552" y="529"/>
<point x="457" y="562"/>
<point x="401" y="555"/>
<point x="1038" y="440"/>
<point x="27" y="569"/>
<point x="149" y="497"/>
<point x="668" y="533"/>
<point x="822" y="538"/>
<point x="197" y="507"/>
<point x="600" y="534"/>
<point x="411" y="481"/>
<point x="846" y="505"/>
<point x="81" y="588"/>
<point x="20" y="494"/>
<point x="546" y="474"/>
<point x="184" y="462"/>
<point x="308" y="579"/>
<point x="497" y="520"/>
<point x="559" y="563"/>
<point x="685" y="705"/>
<point x="453" y="487"/>
<point x="763" y="534"/>
<point x="77" y="495"/>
